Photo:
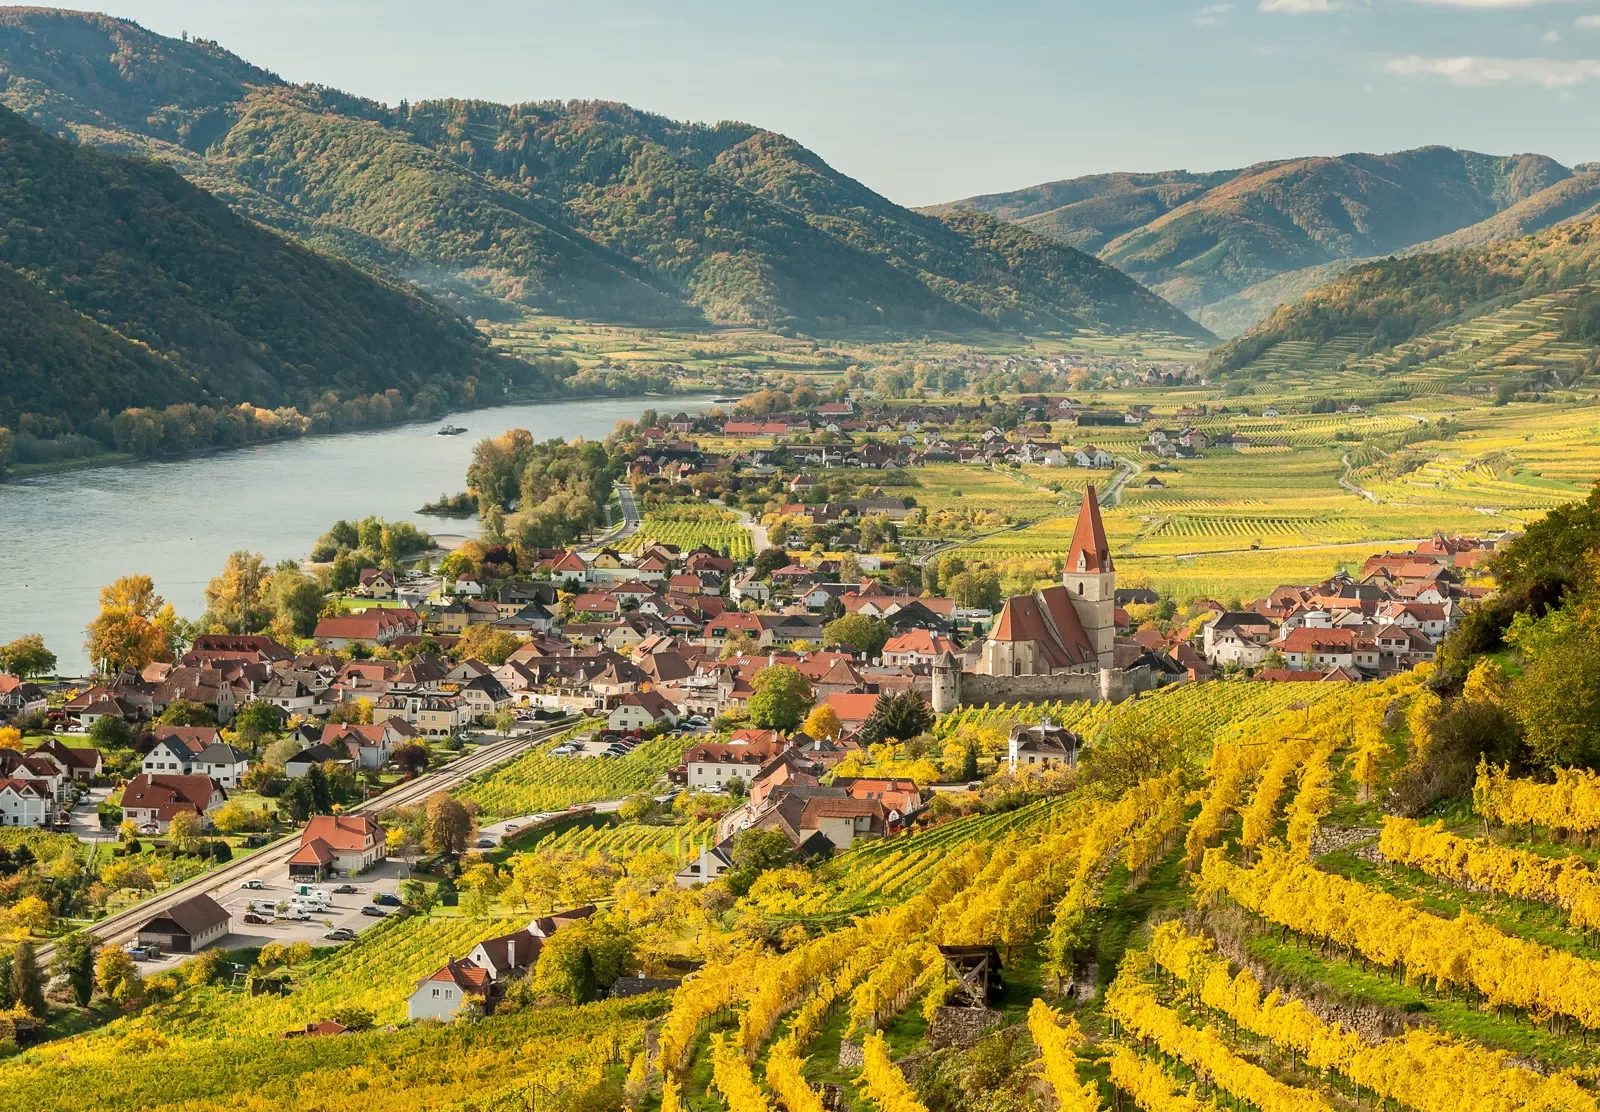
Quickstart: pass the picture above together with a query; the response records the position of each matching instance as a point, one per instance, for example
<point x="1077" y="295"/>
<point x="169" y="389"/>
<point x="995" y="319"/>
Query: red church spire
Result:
<point x="1089" y="552"/>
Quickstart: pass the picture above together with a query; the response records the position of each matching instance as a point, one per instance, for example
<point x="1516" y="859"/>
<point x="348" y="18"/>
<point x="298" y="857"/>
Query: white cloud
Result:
<point x="1211" y="14"/>
<point x="1588" y="22"/>
<point x="1548" y="73"/>
<point x="1301" y="7"/>
<point x="1551" y="36"/>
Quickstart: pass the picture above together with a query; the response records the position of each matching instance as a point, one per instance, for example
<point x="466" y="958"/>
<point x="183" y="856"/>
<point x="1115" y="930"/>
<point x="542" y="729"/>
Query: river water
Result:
<point x="64" y="536"/>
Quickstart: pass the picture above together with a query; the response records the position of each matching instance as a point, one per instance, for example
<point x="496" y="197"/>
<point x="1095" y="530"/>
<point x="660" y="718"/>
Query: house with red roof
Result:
<point x="376" y="626"/>
<point x="151" y="801"/>
<point x="640" y="710"/>
<point x="337" y="845"/>
<point x="454" y="986"/>
<point x="917" y="646"/>
<point x="853" y="709"/>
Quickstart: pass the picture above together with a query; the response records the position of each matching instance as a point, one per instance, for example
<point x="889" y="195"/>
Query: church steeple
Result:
<point x="1090" y="578"/>
<point x="1090" y="553"/>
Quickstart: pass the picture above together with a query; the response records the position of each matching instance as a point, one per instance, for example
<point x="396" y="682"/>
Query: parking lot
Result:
<point x="345" y="911"/>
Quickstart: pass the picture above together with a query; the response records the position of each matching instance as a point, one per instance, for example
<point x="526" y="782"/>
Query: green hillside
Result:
<point x="1090" y="212"/>
<point x="1502" y="307"/>
<point x="194" y="303"/>
<point x="1232" y="246"/>
<point x="590" y="210"/>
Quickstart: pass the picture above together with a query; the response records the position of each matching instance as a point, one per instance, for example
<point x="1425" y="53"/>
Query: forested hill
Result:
<point x="585" y="209"/>
<point x="1217" y="244"/>
<point x="1547" y="278"/>
<point x="132" y="287"/>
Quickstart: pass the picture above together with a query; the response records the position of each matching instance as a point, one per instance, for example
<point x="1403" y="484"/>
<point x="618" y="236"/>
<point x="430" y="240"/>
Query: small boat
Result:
<point x="451" y="430"/>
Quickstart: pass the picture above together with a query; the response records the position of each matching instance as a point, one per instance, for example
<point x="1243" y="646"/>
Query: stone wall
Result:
<point x="961" y="1026"/>
<point x="982" y="691"/>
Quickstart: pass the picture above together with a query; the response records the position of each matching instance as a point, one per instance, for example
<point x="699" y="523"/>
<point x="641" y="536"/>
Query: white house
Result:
<point x="640" y="710"/>
<point x="441" y="994"/>
<point x="24" y="803"/>
<point x="711" y="864"/>
<point x="1090" y="456"/>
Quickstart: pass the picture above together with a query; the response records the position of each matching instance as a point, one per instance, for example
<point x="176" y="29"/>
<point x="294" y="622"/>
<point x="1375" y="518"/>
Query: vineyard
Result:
<point x="376" y="972"/>
<point x="537" y="782"/>
<point x="1214" y="911"/>
<point x="629" y="838"/>
<point x="689" y="527"/>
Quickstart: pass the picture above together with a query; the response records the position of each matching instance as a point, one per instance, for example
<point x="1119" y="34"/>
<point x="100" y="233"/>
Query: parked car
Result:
<point x="255" y="920"/>
<point x="487" y="843"/>
<point x="340" y="934"/>
<point x="252" y="885"/>
<point x="387" y="899"/>
<point x="345" y="890"/>
<point x="374" y="911"/>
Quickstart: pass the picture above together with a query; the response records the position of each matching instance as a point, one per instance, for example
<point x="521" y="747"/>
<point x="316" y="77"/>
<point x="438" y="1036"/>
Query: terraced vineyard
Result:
<point x="620" y="840"/>
<point x="689" y="527"/>
<point x="537" y="782"/>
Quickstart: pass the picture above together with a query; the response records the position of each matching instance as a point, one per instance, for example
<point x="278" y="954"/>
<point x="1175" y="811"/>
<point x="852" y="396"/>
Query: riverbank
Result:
<point x="68" y="533"/>
<point x="18" y="471"/>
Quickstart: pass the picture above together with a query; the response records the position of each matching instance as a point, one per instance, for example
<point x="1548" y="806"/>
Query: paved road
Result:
<point x="630" y="521"/>
<point x="757" y="531"/>
<point x="262" y="864"/>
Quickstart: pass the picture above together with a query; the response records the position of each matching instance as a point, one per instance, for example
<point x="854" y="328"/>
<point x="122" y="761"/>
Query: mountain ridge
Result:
<point x="1222" y="245"/>
<point x="584" y="209"/>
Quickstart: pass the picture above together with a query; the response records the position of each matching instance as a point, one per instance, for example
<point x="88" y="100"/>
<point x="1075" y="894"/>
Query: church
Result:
<point x="1067" y="629"/>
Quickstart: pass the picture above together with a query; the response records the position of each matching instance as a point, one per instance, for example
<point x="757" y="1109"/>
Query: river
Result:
<point x="64" y="536"/>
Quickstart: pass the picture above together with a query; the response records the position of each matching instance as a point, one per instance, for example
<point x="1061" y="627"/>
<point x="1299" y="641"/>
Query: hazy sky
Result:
<point x="932" y="101"/>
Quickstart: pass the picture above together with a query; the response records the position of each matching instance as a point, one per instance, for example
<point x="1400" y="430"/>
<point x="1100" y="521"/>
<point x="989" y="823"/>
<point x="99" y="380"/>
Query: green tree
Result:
<point x="897" y="717"/>
<point x="295" y="599"/>
<point x="419" y="897"/>
<point x="782" y="697"/>
<point x="256" y="719"/>
<point x="1557" y="700"/>
<point x="753" y="853"/>
<point x="969" y="762"/>
<point x="27" y="657"/>
<point x="74" y="963"/>
<point x="560" y="971"/>
<point x="109" y="732"/>
<point x="866" y="635"/>
<point x="181" y="712"/>
<point x="27" y="981"/>
<point x="769" y="560"/>
<point x="637" y="808"/>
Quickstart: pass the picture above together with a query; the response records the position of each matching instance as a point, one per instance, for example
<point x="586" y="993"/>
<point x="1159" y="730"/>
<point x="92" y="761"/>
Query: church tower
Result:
<point x="1091" y="579"/>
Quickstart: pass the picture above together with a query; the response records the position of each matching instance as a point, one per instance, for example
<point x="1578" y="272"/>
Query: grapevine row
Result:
<point x="1464" y="951"/>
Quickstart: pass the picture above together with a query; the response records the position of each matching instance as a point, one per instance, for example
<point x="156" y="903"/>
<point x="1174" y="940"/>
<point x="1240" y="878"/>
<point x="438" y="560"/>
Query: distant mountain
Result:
<point x="1378" y="306"/>
<point x="585" y="209"/>
<point x="1217" y="245"/>
<point x="125" y="285"/>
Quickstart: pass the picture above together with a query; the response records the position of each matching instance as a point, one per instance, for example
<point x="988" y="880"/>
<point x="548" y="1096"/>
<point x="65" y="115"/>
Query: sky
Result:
<point x="932" y="101"/>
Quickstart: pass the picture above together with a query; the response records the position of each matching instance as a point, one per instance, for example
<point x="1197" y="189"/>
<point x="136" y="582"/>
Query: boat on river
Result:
<point x="451" y="430"/>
